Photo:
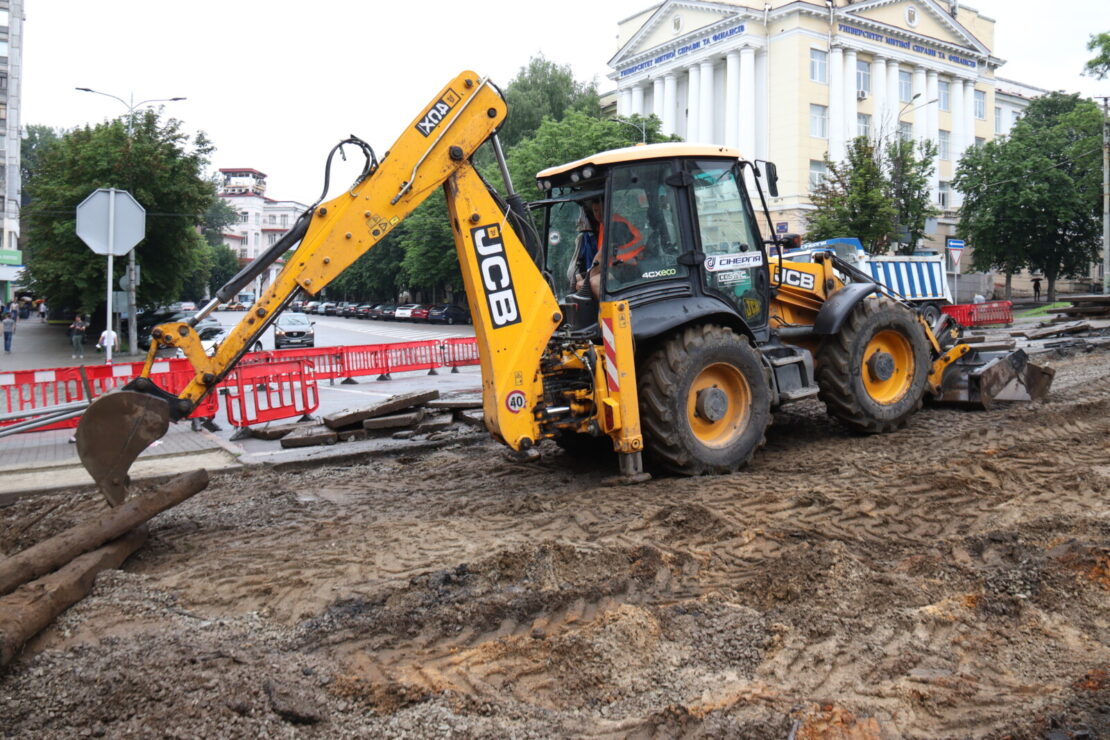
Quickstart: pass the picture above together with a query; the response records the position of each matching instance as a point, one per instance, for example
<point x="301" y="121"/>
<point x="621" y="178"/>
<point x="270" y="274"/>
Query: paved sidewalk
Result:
<point x="39" y="346"/>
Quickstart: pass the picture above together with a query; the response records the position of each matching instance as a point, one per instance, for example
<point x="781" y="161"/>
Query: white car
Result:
<point x="404" y="312"/>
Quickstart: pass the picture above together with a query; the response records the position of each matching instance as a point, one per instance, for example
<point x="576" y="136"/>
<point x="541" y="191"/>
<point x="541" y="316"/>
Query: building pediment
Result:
<point x="678" y="28"/>
<point x="926" y="20"/>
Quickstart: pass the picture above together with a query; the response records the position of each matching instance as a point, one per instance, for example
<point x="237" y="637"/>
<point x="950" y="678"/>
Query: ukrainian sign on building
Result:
<point x="11" y="257"/>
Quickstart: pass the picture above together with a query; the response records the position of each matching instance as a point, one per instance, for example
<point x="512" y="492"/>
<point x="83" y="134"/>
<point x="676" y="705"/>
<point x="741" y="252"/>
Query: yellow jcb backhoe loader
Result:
<point x="695" y="333"/>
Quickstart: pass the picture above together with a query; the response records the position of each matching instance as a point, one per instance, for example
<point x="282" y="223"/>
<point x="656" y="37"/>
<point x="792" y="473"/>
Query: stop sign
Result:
<point x="110" y="221"/>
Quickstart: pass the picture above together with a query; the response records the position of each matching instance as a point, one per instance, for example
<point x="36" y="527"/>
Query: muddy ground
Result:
<point x="948" y="580"/>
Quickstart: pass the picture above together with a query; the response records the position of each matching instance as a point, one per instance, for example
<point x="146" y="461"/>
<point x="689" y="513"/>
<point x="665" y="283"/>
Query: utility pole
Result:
<point x="132" y="318"/>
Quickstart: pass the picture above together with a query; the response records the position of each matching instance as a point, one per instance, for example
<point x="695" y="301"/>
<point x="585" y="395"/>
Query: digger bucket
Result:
<point x="980" y="378"/>
<point x="113" y="431"/>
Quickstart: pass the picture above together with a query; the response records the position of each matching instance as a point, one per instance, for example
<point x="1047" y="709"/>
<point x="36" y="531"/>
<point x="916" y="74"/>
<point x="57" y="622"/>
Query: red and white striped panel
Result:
<point x="612" y="377"/>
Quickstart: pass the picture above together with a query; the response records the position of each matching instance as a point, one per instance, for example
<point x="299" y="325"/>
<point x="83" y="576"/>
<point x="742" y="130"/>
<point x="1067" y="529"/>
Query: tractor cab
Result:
<point x="667" y="227"/>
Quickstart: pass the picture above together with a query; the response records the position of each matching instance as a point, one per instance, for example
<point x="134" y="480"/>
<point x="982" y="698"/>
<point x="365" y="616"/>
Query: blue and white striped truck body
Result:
<point x="918" y="279"/>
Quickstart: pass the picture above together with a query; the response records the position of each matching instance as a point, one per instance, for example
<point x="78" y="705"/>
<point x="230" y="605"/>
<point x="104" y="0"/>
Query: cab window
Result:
<point x="733" y="252"/>
<point x="641" y="238"/>
<point x="564" y="221"/>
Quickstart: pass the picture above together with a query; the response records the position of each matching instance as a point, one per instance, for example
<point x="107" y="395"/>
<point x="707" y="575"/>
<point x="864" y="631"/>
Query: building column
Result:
<point x="670" y="93"/>
<point x="637" y="100"/>
<point x="747" y="103"/>
<point x="920" y="118"/>
<point x="693" y="102"/>
<point x="624" y="102"/>
<point x="878" y="98"/>
<point x="732" y="99"/>
<point x="932" y="125"/>
<point x="851" y="103"/>
<point x="705" y="115"/>
<point x="657" y="98"/>
<point x="836" y="104"/>
<point x="956" y="110"/>
<point x="893" y="99"/>
<point x="969" y="112"/>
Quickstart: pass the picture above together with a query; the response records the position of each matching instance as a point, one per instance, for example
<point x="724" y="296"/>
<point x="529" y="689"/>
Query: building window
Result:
<point x="817" y="173"/>
<point x="905" y="130"/>
<point x="979" y="141"/>
<point x="997" y="120"/>
<point x="244" y="217"/>
<point x="3" y="81"/>
<point x="3" y="48"/>
<point x="1015" y="116"/>
<point x="270" y="239"/>
<point x="257" y="218"/>
<point x="242" y="255"/>
<point x="271" y="219"/>
<point x="944" y="144"/>
<point x="863" y="124"/>
<point x="284" y="219"/>
<point x="818" y="65"/>
<point x="943" y="194"/>
<point x="943" y="90"/>
<point x="863" y="77"/>
<point x="905" y="86"/>
<point x="819" y="121"/>
<point x="980" y="105"/>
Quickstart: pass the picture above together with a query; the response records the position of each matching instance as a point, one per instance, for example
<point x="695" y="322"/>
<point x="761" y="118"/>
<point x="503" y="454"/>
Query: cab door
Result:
<point x="735" y="266"/>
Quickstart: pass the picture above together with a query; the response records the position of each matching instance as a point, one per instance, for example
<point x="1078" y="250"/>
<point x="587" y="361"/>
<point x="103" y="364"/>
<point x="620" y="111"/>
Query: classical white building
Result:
<point x="11" y="80"/>
<point x="788" y="81"/>
<point x="262" y="220"/>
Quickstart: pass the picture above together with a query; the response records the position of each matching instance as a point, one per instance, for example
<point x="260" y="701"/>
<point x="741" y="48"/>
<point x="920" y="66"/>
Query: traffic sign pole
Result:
<point x="111" y="265"/>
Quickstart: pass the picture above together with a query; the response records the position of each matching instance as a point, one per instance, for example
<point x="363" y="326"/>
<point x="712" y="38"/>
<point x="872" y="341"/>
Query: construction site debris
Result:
<point x="435" y="423"/>
<point x="1058" y="330"/>
<point x="456" y="404"/>
<point x="349" y="417"/>
<point x="472" y="417"/>
<point x="58" y="550"/>
<point x="271" y="431"/>
<point x="316" y="434"/>
<point x="1084" y="306"/>
<point x="394" y="421"/>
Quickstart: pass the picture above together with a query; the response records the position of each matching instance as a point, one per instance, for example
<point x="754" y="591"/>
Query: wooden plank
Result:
<point x="1055" y="331"/>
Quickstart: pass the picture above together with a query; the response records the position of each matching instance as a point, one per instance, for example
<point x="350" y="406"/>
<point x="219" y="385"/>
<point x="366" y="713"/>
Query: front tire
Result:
<point x="704" y="401"/>
<point x="872" y="373"/>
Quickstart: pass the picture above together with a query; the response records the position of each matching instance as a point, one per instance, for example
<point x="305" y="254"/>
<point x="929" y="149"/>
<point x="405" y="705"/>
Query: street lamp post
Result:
<point x="132" y="322"/>
<point x="642" y="126"/>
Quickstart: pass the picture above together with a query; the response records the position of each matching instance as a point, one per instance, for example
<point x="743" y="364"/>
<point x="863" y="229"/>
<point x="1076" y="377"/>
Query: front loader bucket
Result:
<point x="113" y="431"/>
<point x="980" y="378"/>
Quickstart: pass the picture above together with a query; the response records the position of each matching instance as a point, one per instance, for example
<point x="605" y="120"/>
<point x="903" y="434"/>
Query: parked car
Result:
<point x="326" y="309"/>
<point x="420" y="313"/>
<point x="376" y="311"/>
<point x="311" y="306"/>
<point x="297" y="306"/>
<point x="188" y="306"/>
<point x="448" y="313"/>
<point x="341" y="308"/>
<point x="294" y="330"/>
<point x="150" y="319"/>
<point x="388" y="312"/>
<point x="363" y="311"/>
<point x="404" y="312"/>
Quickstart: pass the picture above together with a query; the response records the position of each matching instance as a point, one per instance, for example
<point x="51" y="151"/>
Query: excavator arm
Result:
<point x="515" y="312"/>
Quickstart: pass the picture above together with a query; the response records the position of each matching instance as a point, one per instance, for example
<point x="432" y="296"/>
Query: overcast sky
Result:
<point x="275" y="84"/>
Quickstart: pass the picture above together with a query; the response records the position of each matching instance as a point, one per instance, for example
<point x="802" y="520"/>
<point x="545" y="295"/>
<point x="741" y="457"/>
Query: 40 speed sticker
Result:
<point x="515" y="401"/>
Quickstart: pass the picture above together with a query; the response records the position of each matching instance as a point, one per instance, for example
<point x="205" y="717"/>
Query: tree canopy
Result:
<point x="878" y="195"/>
<point x="1099" y="66"/>
<point x="161" y="168"/>
<point x="544" y="89"/>
<point x="1032" y="198"/>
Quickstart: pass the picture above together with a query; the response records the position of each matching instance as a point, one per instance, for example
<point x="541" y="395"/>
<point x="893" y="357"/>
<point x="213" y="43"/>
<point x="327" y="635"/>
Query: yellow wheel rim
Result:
<point x="887" y="367"/>
<point x="719" y="405"/>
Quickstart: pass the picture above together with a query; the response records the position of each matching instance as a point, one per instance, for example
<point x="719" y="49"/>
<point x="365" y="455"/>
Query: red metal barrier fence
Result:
<point x="981" y="314"/>
<point x="269" y="391"/>
<point x="28" y="390"/>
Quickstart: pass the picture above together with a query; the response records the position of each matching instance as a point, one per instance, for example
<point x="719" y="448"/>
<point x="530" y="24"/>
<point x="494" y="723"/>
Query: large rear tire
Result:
<point x="872" y="374"/>
<point x="704" y="402"/>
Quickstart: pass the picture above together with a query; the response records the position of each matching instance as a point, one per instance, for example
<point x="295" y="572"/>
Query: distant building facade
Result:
<point x="262" y="220"/>
<point x="11" y="78"/>
<point x="788" y="81"/>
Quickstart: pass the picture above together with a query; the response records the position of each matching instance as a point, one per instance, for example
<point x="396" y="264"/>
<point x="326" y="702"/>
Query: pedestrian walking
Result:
<point x="1036" y="290"/>
<point x="108" y="337"/>
<point x="9" y="330"/>
<point x="42" y="311"/>
<point x="77" y="336"/>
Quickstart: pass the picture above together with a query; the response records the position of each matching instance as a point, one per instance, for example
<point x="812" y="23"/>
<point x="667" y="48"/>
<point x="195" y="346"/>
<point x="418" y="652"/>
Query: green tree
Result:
<point x="1099" y="66"/>
<point x="853" y="200"/>
<point x="32" y="147"/>
<point x="544" y="89"/>
<point x="909" y="168"/>
<point x="574" y="137"/>
<point x="217" y="218"/>
<point x="1040" y="188"/>
<point x="224" y="265"/>
<point x="161" y="168"/>
<point x="986" y="220"/>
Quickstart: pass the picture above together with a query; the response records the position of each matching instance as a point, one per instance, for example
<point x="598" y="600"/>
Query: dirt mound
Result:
<point x="951" y="579"/>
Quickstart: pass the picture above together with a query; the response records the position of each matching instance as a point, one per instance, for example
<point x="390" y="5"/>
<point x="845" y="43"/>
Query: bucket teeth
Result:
<point x="113" y="431"/>
<point x="980" y="379"/>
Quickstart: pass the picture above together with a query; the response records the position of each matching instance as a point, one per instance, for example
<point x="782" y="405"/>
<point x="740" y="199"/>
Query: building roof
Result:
<point x="251" y="170"/>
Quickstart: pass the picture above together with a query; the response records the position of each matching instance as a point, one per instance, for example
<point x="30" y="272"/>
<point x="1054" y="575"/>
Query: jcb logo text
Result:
<point x="496" y="280"/>
<point x="802" y="280"/>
